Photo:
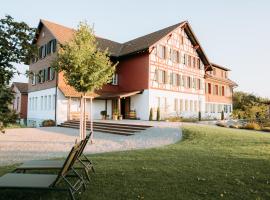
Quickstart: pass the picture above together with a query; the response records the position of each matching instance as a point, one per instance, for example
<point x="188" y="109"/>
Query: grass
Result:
<point x="16" y="125"/>
<point x="210" y="163"/>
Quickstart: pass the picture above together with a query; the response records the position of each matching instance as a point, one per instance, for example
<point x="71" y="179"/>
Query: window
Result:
<point x="53" y="102"/>
<point x="178" y="77"/>
<point x="45" y="102"/>
<point x="191" y="105"/>
<point x="33" y="79"/>
<point x="181" y="105"/>
<point x="183" y="59"/>
<point x="189" y="82"/>
<point x="43" y="52"/>
<point x="171" y="78"/>
<point x="223" y="91"/>
<point x="36" y="99"/>
<point x="175" y="79"/>
<point x="194" y="62"/>
<point x="176" y="105"/>
<point x="186" y="105"/>
<point x="189" y="61"/>
<point x="199" y="84"/>
<point x="41" y="103"/>
<point x="115" y="79"/>
<point x="195" y="106"/>
<point x="194" y="83"/>
<point x="54" y="45"/>
<point x="51" y="73"/>
<point x="184" y="82"/>
<point x="49" y="102"/>
<point x="175" y="56"/>
<point x="214" y="71"/>
<point x="198" y="63"/>
<point x="216" y="89"/>
<point x="162" y="51"/>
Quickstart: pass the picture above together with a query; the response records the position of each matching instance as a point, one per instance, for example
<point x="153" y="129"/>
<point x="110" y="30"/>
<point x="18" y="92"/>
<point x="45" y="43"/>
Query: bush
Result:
<point x="267" y="129"/>
<point x="151" y="115"/>
<point x="103" y="113"/>
<point x="180" y="119"/>
<point x="252" y="126"/>
<point x="234" y="126"/>
<point x="158" y="114"/>
<point x="222" y="115"/>
<point x="221" y="124"/>
<point x="48" y="122"/>
<point x="200" y="116"/>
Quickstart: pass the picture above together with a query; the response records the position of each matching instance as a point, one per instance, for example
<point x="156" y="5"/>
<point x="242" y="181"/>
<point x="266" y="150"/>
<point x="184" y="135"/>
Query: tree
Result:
<point x="250" y="107"/>
<point x="151" y="114"/>
<point x="85" y="67"/>
<point x="15" y="47"/>
<point x="158" y="114"/>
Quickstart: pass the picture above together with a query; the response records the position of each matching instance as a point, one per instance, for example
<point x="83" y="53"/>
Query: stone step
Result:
<point x="100" y="130"/>
<point x="110" y="126"/>
<point x="115" y="124"/>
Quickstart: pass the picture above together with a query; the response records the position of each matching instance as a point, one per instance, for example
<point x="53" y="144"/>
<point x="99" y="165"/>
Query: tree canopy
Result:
<point x="250" y="107"/>
<point x="85" y="67"/>
<point x="15" y="47"/>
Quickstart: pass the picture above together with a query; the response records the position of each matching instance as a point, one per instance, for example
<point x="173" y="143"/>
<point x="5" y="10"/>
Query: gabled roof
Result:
<point x="22" y="87"/>
<point x="220" y="67"/>
<point x="144" y="42"/>
<point x="64" y="34"/>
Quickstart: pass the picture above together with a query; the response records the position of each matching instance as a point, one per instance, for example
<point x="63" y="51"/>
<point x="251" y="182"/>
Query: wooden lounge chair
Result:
<point x="84" y="163"/>
<point x="47" y="182"/>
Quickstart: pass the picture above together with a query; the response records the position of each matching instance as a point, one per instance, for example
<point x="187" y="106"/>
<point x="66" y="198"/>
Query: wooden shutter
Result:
<point x="157" y="75"/>
<point x="166" y="77"/>
<point x="54" y="45"/>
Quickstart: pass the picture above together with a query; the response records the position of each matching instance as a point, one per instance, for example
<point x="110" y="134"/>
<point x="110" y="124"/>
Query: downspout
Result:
<point x="55" y="103"/>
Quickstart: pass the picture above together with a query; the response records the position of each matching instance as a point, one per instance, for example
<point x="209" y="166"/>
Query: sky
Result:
<point x="234" y="34"/>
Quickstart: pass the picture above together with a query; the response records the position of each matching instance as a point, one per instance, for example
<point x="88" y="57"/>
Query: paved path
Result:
<point x="19" y="145"/>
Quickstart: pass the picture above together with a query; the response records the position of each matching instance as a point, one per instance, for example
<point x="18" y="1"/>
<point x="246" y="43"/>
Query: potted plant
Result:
<point x="120" y="117"/>
<point x="103" y="114"/>
<point x="115" y="114"/>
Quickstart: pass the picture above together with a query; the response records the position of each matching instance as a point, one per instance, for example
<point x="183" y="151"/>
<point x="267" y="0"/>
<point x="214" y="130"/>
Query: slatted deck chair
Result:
<point x="85" y="163"/>
<point x="48" y="182"/>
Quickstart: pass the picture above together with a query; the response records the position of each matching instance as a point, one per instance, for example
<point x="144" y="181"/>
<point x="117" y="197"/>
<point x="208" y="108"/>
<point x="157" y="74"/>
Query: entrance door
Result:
<point x="125" y="107"/>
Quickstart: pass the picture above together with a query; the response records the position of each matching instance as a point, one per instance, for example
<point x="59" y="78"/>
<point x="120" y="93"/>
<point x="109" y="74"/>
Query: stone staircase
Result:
<point x="108" y="127"/>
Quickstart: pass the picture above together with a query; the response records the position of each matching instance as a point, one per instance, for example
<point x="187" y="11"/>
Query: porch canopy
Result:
<point x="117" y="95"/>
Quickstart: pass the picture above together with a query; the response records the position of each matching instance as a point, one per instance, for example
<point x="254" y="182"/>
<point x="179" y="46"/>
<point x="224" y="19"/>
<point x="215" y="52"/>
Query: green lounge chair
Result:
<point x="46" y="182"/>
<point x="84" y="163"/>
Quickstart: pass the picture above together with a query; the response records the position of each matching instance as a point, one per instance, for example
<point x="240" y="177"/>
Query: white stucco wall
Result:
<point x="140" y="103"/>
<point x="40" y="109"/>
<point x="166" y="101"/>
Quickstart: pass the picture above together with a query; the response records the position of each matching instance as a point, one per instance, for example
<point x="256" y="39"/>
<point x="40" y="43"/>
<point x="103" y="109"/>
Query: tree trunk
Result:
<point x="81" y="118"/>
<point x="91" y="120"/>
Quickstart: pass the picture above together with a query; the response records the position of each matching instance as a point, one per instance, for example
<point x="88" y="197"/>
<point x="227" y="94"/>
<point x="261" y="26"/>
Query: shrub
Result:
<point x="151" y="115"/>
<point x="267" y="129"/>
<point x="158" y="114"/>
<point x="234" y="126"/>
<point x="103" y="113"/>
<point x="221" y="124"/>
<point x="252" y="126"/>
<point x="222" y="115"/>
<point x="200" y="116"/>
<point x="48" y="122"/>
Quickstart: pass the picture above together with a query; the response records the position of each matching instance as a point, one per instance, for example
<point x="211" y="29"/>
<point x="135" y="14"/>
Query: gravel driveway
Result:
<point x="19" y="145"/>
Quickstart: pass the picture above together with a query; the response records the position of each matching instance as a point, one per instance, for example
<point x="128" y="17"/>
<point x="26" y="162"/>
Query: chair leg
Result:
<point x="71" y="194"/>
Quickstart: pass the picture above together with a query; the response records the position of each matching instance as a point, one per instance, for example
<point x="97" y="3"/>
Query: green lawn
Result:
<point x="210" y="163"/>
